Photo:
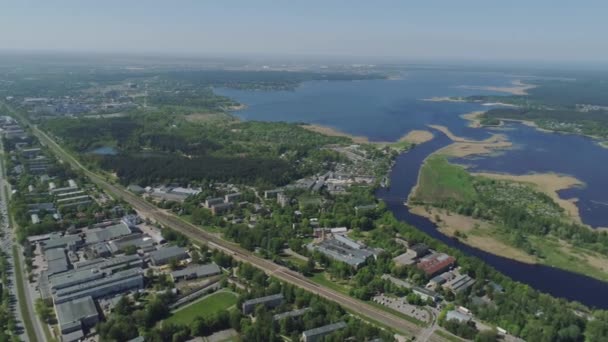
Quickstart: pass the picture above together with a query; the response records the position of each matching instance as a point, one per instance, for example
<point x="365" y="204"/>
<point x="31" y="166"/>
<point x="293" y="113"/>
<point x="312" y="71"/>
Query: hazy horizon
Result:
<point x="517" y="31"/>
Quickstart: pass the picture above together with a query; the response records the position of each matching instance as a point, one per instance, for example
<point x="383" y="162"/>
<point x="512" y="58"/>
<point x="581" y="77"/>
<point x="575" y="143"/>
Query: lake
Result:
<point x="104" y="151"/>
<point x="385" y="110"/>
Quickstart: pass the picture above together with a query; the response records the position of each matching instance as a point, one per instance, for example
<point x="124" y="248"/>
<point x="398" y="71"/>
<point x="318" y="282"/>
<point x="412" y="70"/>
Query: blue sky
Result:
<point x="473" y="30"/>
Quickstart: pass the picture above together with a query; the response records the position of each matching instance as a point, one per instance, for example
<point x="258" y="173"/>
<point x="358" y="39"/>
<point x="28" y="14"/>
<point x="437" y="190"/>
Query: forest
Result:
<point x="593" y="123"/>
<point x="165" y="147"/>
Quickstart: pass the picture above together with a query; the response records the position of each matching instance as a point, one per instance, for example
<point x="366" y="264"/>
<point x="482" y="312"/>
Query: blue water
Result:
<point x="378" y="109"/>
<point x="104" y="151"/>
<point x="387" y="109"/>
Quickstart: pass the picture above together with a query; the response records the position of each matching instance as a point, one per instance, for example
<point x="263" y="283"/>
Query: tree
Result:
<point x="173" y="264"/>
<point x="486" y="336"/>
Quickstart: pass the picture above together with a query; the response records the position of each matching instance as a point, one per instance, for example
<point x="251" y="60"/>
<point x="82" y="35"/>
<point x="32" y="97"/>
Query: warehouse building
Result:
<point x="436" y="263"/>
<point x="140" y="241"/>
<point x="269" y="302"/>
<point x="460" y="283"/>
<point x="75" y="315"/>
<point x="194" y="272"/>
<point x="57" y="261"/>
<point x="163" y="255"/>
<point x="122" y="281"/>
<point x="112" y="232"/>
<point x="58" y="241"/>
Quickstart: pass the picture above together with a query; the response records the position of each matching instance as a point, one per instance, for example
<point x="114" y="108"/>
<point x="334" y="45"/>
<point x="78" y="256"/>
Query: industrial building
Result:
<point x="425" y="294"/>
<point x="194" y="272"/>
<point x="436" y="263"/>
<point x="457" y="316"/>
<point x="57" y="261"/>
<point x="58" y="241"/>
<point x="343" y="249"/>
<point x="112" y="232"/>
<point x="317" y="334"/>
<point x="75" y="315"/>
<point x="119" y="282"/>
<point x="460" y="283"/>
<point x="163" y="255"/>
<point x="140" y="241"/>
<point x="271" y="301"/>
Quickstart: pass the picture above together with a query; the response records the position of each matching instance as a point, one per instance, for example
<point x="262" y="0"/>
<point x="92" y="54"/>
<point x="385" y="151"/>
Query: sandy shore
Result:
<point x="473" y="119"/>
<point x="335" y="133"/>
<point x="413" y="137"/>
<point x="444" y="99"/>
<point x="417" y="137"/>
<point x="463" y="147"/>
<point x="517" y="88"/>
<point x="449" y="224"/>
<point x="548" y="183"/>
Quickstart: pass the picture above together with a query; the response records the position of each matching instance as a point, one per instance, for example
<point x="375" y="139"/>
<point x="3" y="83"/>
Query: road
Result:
<point x="8" y="242"/>
<point x="199" y="235"/>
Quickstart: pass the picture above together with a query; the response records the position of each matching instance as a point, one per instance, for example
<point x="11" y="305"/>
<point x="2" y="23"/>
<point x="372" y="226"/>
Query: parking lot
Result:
<point x="401" y="305"/>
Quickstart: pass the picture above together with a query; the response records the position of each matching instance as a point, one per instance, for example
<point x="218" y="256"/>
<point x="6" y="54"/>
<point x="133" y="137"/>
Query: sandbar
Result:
<point x="445" y="99"/>
<point x="332" y="132"/>
<point x="413" y="137"/>
<point x="517" y="88"/>
<point x="463" y="147"/>
<point x="417" y="137"/>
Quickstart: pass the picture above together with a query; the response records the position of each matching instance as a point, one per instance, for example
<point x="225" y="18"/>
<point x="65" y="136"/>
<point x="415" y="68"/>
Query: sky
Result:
<point x="515" y="30"/>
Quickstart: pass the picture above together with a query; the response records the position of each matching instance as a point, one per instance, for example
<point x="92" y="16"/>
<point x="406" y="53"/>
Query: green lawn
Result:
<point x="321" y="279"/>
<point x="209" y="305"/>
<point x="440" y="180"/>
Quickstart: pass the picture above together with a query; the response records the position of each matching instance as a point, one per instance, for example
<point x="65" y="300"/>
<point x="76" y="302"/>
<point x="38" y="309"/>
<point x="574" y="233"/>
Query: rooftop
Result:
<point x="199" y="271"/>
<point x="324" y="330"/>
<point x="75" y="310"/>
<point x="166" y="253"/>
<point x="265" y="299"/>
<point x="105" y="234"/>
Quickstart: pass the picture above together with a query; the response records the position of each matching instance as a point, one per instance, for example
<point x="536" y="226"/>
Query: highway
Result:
<point x="197" y="234"/>
<point x="8" y="242"/>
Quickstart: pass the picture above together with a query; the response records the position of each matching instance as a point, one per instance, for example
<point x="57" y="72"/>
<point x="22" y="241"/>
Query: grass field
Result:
<point x="209" y="305"/>
<point x="322" y="280"/>
<point x="441" y="180"/>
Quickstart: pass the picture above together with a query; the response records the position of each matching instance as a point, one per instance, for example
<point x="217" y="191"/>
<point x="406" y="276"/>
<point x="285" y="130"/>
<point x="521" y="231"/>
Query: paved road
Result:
<point x="8" y="241"/>
<point x="197" y="234"/>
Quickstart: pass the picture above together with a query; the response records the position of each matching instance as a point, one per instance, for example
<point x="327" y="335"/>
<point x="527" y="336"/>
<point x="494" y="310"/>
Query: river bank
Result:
<point x="412" y="137"/>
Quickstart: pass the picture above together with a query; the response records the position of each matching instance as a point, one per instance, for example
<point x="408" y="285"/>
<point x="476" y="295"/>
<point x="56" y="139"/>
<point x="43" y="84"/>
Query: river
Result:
<point x="387" y="109"/>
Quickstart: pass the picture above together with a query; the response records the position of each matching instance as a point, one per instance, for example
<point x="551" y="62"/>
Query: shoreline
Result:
<point x="463" y="147"/>
<point x="517" y="88"/>
<point x="444" y="99"/>
<point x="453" y="225"/>
<point x="411" y="137"/>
